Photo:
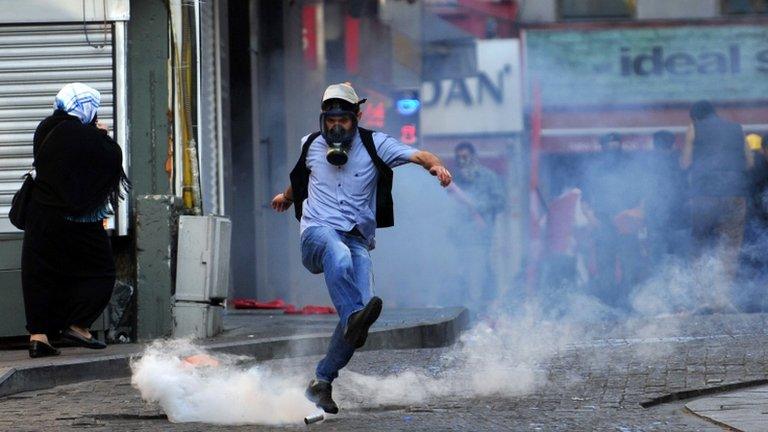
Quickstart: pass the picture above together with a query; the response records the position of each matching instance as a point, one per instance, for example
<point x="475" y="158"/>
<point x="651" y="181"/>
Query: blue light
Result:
<point x="408" y="106"/>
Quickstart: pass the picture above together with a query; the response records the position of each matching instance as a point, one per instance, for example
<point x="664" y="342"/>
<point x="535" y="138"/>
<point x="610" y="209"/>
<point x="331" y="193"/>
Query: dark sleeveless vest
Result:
<point x="719" y="164"/>
<point x="384" y="204"/>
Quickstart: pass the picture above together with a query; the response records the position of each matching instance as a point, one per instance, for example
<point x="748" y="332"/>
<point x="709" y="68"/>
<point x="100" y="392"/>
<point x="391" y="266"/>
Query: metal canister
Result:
<point x="314" y="418"/>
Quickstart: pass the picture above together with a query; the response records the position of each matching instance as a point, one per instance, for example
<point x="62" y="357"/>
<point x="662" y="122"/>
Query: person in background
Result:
<point x="754" y="262"/>
<point x="566" y="227"/>
<point x="67" y="267"/>
<point x="480" y="196"/>
<point x="756" y="223"/>
<point x="718" y="158"/>
<point x="667" y="215"/>
<point x="758" y="180"/>
<point x="612" y="192"/>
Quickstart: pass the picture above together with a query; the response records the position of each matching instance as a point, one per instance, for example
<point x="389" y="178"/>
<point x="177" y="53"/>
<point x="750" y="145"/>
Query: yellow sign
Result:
<point x="754" y="141"/>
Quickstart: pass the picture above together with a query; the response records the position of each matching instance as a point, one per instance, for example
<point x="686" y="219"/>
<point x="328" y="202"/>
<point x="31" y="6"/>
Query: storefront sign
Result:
<point x="647" y="65"/>
<point x="488" y="102"/>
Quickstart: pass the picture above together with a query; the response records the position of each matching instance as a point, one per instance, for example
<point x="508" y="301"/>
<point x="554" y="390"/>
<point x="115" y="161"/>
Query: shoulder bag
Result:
<point x="18" y="213"/>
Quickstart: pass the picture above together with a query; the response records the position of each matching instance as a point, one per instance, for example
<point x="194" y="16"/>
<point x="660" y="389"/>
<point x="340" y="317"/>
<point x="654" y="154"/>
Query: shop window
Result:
<point x="596" y="9"/>
<point x="744" y="7"/>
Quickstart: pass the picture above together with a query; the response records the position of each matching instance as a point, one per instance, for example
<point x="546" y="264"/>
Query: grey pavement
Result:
<point x="595" y="384"/>
<point x="744" y="410"/>
<point x="256" y="333"/>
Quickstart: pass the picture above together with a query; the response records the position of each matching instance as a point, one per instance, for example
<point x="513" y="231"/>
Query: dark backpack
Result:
<point x="384" y="204"/>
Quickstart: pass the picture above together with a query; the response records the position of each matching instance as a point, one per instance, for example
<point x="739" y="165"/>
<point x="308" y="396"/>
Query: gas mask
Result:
<point x="339" y="140"/>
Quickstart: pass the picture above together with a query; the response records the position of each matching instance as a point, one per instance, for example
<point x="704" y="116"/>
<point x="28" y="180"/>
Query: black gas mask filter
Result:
<point x="339" y="140"/>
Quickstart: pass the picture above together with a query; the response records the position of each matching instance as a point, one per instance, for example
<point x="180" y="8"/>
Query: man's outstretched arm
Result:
<point x="432" y="164"/>
<point x="282" y="201"/>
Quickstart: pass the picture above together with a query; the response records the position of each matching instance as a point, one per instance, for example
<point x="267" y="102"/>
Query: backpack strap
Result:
<point x="384" y="202"/>
<point x="305" y="148"/>
<point x="366" y="136"/>
<point x="300" y="177"/>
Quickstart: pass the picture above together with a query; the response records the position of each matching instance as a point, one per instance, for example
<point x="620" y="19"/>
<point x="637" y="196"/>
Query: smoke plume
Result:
<point x="224" y="394"/>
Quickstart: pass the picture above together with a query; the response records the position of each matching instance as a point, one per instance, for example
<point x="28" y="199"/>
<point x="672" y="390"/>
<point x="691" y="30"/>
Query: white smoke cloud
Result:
<point x="503" y="357"/>
<point x="681" y="286"/>
<point x="226" y="394"/>
<point x="508" y="355"/>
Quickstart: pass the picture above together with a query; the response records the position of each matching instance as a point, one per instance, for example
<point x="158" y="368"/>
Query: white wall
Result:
<point x="499" y="61"/>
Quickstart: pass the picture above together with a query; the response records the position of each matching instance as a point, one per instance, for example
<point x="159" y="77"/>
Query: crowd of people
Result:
<point x="624" y="213"/>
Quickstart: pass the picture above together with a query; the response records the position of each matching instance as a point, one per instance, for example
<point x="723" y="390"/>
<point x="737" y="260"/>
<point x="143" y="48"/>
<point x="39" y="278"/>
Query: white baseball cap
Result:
<point x="343" y="91"/>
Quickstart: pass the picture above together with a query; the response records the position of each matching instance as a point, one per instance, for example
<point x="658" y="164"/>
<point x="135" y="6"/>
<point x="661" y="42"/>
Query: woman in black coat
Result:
<point x="67" y="267"/>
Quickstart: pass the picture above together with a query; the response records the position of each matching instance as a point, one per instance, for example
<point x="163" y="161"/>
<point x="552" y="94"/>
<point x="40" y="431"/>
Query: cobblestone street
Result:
<point x="597" y="384"/>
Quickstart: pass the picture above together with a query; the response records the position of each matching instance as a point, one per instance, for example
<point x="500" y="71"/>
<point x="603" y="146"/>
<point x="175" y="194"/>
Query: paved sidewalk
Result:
<point x="744" y="410"/>
<point x="259" y="334"/>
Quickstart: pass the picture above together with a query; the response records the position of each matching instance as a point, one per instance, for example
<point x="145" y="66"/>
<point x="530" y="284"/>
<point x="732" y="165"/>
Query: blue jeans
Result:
<point x="346" y="262"/>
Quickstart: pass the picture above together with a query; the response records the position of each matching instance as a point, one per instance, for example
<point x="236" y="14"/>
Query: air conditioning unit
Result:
<point x="202" y="263"/>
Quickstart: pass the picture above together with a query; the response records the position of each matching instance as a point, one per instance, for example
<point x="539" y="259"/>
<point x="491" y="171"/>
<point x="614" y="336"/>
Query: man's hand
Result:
<point x="432" y="164"/>
<point x="442" y="174"/>
<point x="281" y="203"/>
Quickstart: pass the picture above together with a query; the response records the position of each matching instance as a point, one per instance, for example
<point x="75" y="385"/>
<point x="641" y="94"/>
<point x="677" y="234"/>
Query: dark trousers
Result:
<point x="718" y="226"/>
<point x="67" y="271"/>
<point x="620" y="265"/>
<point x="558" y="271"/>
<point x="54" y="302"/>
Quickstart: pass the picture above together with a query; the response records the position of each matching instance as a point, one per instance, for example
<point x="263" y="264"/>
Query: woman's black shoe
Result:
<point x="75" y="337"/>
<point x="42" y="349"/>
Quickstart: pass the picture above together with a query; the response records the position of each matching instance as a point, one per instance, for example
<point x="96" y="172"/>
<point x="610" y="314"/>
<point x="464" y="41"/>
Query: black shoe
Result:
<point x="75" y="337"/>
<point x="42" y="349"/>
<point x="359" y="323"/>
<point x="319" y="392"/>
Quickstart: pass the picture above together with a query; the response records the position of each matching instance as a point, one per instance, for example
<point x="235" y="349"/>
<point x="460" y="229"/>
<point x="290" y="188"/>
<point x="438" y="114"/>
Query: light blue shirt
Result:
<point x="344" y="197"/>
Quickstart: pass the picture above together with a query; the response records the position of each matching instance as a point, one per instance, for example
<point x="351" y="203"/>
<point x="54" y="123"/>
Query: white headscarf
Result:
<point x="79" y="100"/>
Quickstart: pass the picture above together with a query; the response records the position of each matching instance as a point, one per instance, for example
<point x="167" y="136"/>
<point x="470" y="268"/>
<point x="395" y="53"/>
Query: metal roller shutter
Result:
<point x="35" y="62"/>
